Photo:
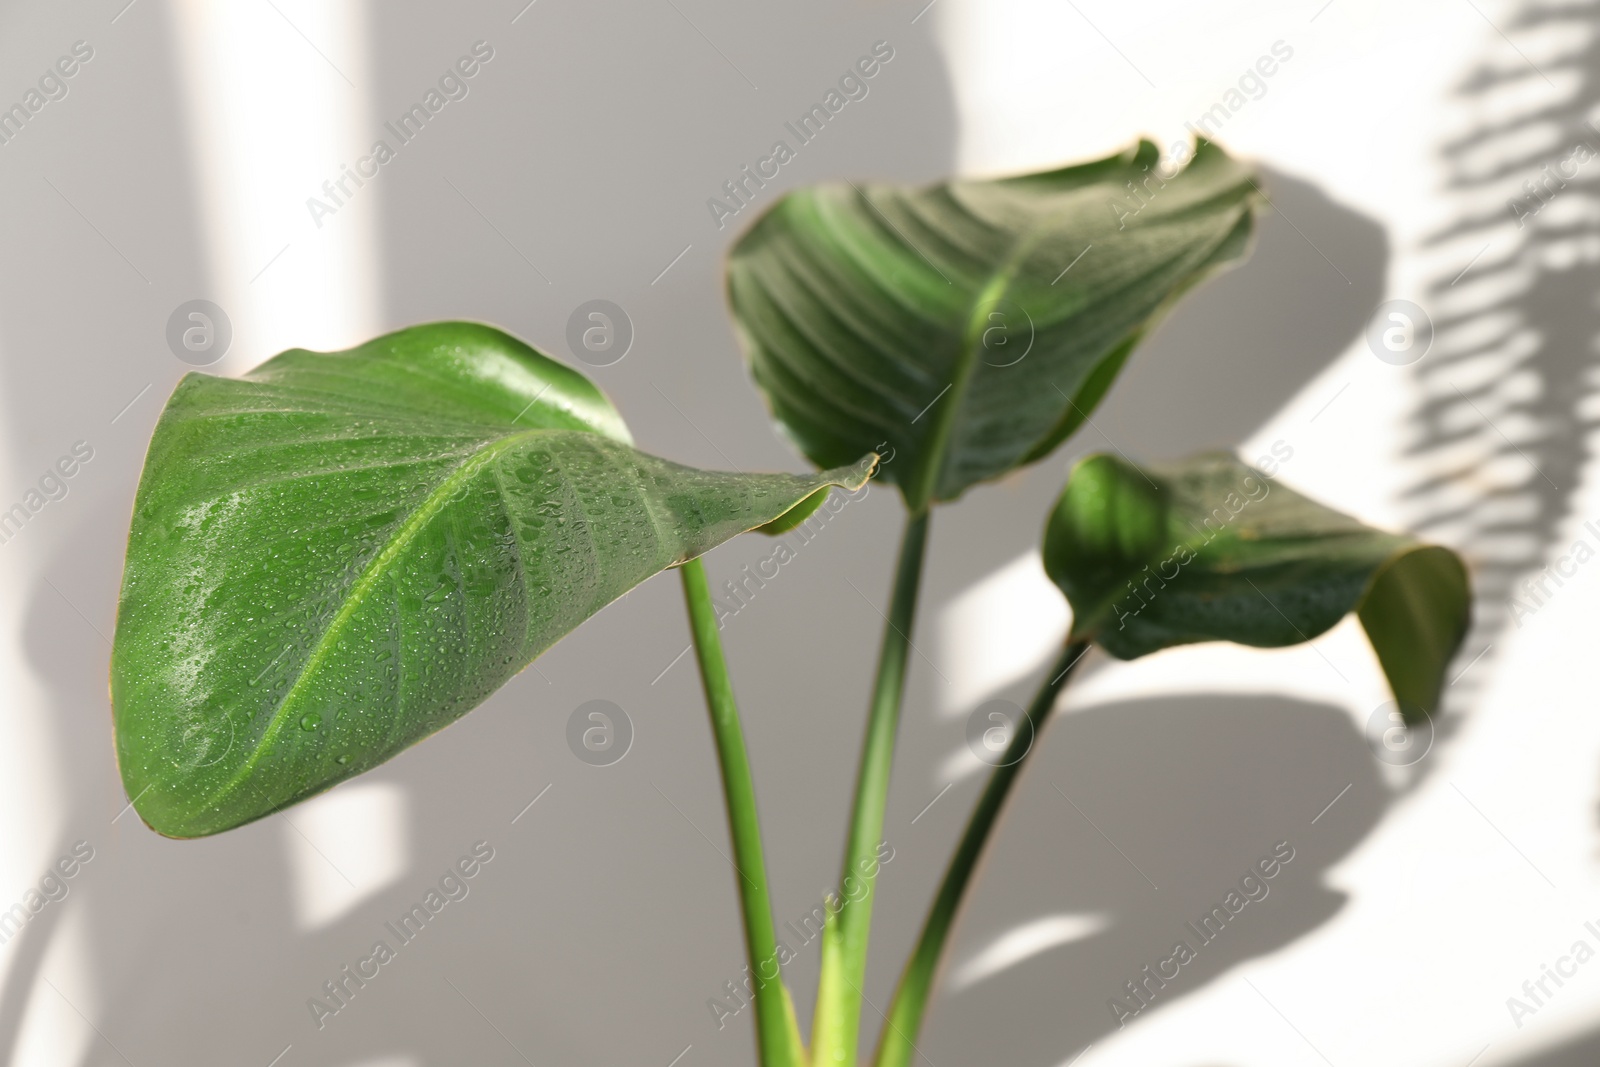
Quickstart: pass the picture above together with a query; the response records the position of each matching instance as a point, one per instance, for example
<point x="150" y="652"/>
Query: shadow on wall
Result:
<point x="1229" y="356"/>
<point x="1235" y="353"/>
<point x="1508" y="385"/>
<point x="1194" y="790"/>
<point x="1507" y="406"/>
<point x="1137" y="819"/>
<point x="85" y="360"/>
<point x="614" y="904"/>
<point x="603" y="901"/>
<point x="1581" y="1051"/>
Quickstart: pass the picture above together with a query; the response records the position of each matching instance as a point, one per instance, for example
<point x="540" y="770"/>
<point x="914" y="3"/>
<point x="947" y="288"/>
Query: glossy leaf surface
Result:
<point x="1210" y="549"/>
<point x="970" y="327"/>
<point x="340" y="553"/>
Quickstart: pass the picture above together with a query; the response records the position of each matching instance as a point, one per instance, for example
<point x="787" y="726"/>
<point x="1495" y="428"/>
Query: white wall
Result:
<point x="177" y="167"/>
<point x="1477" y="865"/>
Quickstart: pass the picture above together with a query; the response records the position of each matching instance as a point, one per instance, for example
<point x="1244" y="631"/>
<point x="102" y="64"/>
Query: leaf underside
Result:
<point x="972" y="326"/>
<point x="1210" y="549"/>
<point x="341" y="553"/>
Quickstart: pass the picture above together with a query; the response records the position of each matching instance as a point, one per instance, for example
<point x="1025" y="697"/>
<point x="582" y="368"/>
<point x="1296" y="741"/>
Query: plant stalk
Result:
<point x="897" y="1045"/>
<point x="836" y="1028"/>
<point x="777" y="1031"/>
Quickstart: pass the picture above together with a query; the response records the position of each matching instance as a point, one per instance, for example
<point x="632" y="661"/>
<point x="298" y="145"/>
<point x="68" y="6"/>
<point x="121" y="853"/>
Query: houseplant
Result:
<point x="340" y="553"/>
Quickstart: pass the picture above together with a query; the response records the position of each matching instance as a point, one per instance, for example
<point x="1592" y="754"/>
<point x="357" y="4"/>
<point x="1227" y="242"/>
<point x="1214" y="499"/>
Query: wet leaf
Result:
<point x="340" y="553"/>
<point x="1209" y="549"/>
<point x="970" y="327"/>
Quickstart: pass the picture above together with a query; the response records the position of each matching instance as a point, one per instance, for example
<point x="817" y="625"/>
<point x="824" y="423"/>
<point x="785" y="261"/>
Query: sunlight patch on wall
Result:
<point x="53" y="1026"/>
<point x="1023" y="942"/>
<point x="1001" y="630"/>
<point x="279" y="97"/>
<point x="343" y="847"/>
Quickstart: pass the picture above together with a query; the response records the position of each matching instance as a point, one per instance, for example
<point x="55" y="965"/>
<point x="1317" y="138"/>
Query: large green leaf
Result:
<point x="1210" y="549"/>
<point x="342" y="552"/>
<point x="971" y="326"/>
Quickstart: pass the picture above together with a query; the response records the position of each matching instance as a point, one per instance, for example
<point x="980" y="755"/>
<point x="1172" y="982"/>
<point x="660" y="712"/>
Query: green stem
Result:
<point x="897" y="1046"/>
<point x="777" y="1032"/>
<point x="836" y="1028"/>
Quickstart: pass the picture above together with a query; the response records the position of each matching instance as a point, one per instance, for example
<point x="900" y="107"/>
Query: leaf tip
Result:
<point x="1416" y="610"/>
<point x="863" y="471"/>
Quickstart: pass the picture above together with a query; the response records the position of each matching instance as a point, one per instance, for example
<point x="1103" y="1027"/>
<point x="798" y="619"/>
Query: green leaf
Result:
<point x="1210" y="549"/>
<point x="342" y="552"/>
<point x="972" y="326"/>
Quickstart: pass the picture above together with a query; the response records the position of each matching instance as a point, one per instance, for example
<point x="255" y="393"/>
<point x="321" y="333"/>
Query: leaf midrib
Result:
<point x="928" y="474"/>
<point x="994" y="289"/>
<point x="370" y="575"/>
